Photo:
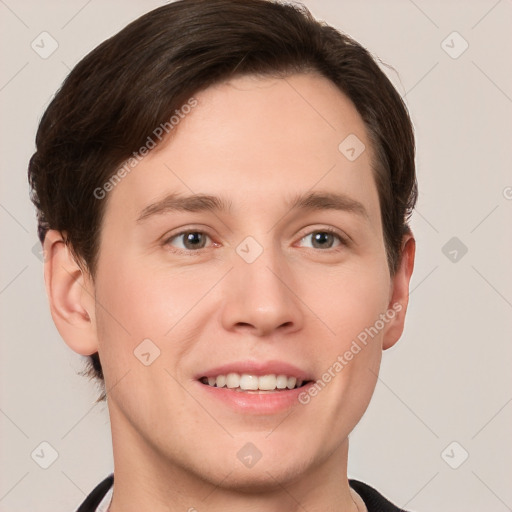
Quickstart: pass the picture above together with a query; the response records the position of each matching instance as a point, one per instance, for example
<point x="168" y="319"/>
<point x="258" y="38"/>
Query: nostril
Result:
<point x="243" y="324"/>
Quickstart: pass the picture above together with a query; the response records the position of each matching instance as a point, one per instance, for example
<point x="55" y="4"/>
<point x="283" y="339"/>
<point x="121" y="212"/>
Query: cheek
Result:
<point x="145" y="300"/>
<point x="137" y="302"/>
<point x="350" y="356"/>
<point x="347" y="301"/>
<point x="129" y="310"/>
<point x="354" y="304"/>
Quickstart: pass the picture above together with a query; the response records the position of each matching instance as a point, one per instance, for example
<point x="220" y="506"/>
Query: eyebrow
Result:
<point x="192" y="203"/>
<point x="328" y="201"/>
<point x="205" y="202"/>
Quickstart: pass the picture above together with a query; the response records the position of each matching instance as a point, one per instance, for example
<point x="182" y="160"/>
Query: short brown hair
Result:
<point x="131" y="83"/>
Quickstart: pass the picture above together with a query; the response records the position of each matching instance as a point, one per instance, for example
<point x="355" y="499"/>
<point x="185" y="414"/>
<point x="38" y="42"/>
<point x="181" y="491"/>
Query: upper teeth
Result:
<point x="253" y="382"/>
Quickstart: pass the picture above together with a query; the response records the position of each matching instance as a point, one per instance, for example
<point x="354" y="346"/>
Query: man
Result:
<point x="223" y="190"/>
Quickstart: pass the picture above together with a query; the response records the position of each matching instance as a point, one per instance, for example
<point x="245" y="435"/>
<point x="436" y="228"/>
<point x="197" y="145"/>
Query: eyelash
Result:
<point x="343" y="240"/>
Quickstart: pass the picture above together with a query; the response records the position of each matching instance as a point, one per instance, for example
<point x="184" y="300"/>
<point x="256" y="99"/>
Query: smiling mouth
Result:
<point x="256" y="383"/>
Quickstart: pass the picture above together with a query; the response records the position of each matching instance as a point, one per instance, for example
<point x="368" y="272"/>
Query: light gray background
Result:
<point x="447" y="380"/>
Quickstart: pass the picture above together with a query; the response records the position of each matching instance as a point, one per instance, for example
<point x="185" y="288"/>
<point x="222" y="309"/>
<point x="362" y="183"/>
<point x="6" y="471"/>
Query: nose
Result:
<point x="260" y="297"/>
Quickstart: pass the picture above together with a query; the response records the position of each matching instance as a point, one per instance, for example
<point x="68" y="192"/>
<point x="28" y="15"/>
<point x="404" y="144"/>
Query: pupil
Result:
<point x="194" y="239"/>
<point x="322" y="237"/>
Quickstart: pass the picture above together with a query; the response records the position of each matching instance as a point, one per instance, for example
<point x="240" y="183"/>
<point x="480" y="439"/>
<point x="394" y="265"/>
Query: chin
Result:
<point x="262" y="479"/>
<point x="276" y="467"/>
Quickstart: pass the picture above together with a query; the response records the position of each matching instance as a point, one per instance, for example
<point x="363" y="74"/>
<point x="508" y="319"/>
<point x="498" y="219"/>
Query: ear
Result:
<point x="399" y="295"/>
<point x="70" y="293"/>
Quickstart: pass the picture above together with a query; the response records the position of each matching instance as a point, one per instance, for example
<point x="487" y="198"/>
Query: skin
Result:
<point x="256" y="141"/>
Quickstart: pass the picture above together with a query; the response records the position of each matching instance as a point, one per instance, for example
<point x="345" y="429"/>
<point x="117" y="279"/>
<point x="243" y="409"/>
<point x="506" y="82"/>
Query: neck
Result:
<point x="145" y="479"/>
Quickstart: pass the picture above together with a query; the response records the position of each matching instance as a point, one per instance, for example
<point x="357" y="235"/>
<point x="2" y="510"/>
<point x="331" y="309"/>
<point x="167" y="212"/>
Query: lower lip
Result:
<point x="266" y="402"/>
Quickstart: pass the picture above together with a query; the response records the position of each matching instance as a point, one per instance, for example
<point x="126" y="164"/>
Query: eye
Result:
<point x="324" y="239"/>
<point x="188" y="240"/>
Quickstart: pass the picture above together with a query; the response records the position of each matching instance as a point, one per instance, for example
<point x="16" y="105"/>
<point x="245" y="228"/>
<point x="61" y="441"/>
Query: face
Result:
<point x="267" y="282"/>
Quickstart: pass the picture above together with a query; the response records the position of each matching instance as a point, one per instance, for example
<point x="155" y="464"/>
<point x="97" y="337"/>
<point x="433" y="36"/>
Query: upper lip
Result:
<point x="258" y="368"/>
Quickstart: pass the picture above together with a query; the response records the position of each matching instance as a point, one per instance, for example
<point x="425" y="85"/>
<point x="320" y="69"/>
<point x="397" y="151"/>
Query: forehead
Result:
<point x="253" y="139"/>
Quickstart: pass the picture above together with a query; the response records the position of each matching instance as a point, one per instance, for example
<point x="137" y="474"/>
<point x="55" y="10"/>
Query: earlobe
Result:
<point x="71" y="295"/>
<point x="399" y="299"/>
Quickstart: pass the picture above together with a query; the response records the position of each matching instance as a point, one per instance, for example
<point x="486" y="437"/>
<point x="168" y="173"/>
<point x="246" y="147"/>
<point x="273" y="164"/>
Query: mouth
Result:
<point x="255" y="387"/>
<point x="251" y="383"/>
